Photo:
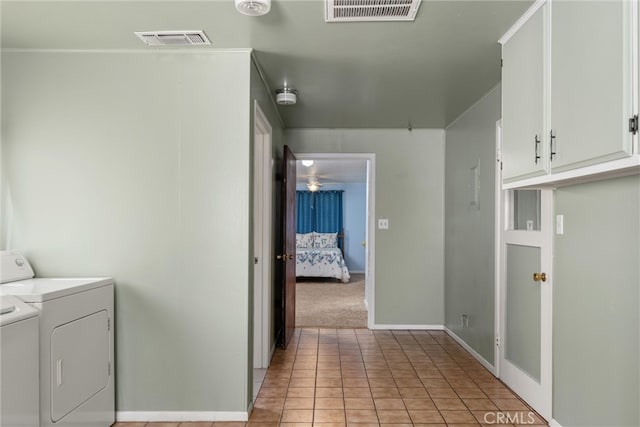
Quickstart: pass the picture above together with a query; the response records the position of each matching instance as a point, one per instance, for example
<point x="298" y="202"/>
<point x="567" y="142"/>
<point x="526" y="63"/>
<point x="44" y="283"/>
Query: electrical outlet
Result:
<point x="383" y="224"/>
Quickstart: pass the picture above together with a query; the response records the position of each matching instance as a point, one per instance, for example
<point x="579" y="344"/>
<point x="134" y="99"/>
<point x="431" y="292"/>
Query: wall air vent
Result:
<point x="173" y="38"/>
<point x="371" y="10"/>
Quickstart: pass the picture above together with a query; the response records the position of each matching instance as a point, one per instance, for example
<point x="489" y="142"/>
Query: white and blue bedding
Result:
<point x="317" y="255"/>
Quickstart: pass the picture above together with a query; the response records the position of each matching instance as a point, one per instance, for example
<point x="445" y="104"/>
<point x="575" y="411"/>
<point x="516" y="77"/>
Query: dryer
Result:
<point x="76" y="343"/>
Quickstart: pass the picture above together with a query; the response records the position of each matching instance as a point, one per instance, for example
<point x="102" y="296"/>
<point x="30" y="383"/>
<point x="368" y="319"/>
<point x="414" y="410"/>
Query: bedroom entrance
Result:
<point x="334" y="242"/>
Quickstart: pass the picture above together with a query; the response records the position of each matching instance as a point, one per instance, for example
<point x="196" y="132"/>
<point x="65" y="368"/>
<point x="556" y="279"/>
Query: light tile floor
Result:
<point x="362" y="378"/>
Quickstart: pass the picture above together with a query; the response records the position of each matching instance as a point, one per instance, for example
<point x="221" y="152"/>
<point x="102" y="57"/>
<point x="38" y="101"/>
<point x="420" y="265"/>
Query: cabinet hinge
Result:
<point x="108" y="324"/>
<point x="501" y="62"/>
<point x="497" y="341"/>
<point x="108" y="369"/>
<point x="633" y="124"/>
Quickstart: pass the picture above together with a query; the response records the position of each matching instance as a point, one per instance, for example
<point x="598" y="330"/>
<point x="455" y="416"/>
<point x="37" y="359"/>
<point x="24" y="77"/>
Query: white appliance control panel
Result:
<point x="13" y="267"/>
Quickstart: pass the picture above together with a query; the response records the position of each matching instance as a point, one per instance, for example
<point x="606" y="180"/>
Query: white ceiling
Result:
<point x="349" y="75"/>
<point x="333" y="171"/>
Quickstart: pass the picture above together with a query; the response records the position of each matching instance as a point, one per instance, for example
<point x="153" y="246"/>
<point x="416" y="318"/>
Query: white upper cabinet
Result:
<point x="523" y="147"/>
<point x="590" y="82"/>
<point x="567" y="82"/>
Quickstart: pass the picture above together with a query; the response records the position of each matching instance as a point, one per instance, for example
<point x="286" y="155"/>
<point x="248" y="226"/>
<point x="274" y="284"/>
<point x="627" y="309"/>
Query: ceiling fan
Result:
<point x="313" y="185"/>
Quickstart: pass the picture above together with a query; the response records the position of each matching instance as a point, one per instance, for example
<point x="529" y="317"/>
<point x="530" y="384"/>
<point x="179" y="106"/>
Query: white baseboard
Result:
<point x="554" y="423"/>
<point x="409" y="327"/>
<point x="173" y="416"/>
<point x="356" y="272"/>
<point x="474" y="353"/>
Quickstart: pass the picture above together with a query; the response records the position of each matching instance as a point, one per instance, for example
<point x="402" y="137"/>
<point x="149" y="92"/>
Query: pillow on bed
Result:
<point x="325" y="240"/>
<point x="304" y="240"/>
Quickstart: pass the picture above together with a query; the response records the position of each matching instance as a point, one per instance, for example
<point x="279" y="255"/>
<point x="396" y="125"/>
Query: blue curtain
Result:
<point x="328" y="211"/>
<point x="319" y="211"/>
<point x="304" y="207"/>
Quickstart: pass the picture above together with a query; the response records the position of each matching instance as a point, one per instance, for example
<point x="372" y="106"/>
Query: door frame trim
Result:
<point x="370" y="234"/>
<point x="499" y="206"/>
<point x="263" y="296"/>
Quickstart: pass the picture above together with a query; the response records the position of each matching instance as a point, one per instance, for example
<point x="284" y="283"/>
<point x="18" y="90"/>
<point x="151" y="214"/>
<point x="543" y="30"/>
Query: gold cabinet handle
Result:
<point x="539" y="276"/>
<point x="281" y="256"/>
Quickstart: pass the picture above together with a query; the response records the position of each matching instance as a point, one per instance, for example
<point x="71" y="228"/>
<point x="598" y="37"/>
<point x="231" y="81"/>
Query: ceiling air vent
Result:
<point x="371" y="10"/>
<point x="173" y="38"/>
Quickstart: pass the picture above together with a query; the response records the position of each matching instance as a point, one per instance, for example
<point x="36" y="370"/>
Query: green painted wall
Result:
<point x="137" y="166"/>
<point x="409" y="192"/>
<point x="469" y="241"/>
<point x="260" y="93"/>
<point x="596" y="301"/>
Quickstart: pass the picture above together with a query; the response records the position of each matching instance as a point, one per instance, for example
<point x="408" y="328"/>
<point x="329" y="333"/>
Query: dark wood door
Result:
<point x="288" y="254"/>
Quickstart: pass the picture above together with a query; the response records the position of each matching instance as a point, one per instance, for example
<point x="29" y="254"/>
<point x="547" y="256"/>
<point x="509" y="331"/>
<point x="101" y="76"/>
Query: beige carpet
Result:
<point x="331" y="304"/>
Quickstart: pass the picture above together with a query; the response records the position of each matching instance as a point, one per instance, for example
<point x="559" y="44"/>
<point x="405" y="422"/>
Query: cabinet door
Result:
<point x="590" y="82"/>
<point x="522" y="99"/>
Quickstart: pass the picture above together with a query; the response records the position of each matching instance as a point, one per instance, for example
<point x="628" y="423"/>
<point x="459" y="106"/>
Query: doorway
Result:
<point x="342" y="174"/>
<point x="262" y="244"/>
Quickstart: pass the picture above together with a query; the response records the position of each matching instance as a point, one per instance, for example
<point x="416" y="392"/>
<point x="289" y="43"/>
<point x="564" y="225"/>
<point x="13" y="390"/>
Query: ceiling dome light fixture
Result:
<point x="307" y="163"/>
<point x="286" y="96"/>
<point x="253" y="7"/>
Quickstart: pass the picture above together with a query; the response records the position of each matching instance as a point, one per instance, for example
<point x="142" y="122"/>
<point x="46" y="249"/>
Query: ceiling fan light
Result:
<point x="253" y="7"/>
<point x="307" y="163"/>
<point x="313" y="186"/>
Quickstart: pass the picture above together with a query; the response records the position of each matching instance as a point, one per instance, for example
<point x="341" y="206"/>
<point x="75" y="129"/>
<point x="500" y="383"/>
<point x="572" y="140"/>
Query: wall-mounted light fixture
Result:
<point x="253" y="7"/>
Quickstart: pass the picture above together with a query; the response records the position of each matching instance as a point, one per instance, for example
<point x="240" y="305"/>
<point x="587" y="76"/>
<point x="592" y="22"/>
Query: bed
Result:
<point x="319" y="255"/>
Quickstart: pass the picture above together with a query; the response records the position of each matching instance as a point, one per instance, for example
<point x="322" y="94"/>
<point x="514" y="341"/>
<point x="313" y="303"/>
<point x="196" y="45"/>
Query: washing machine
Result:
<point x="75" y="339"/>
<point x="19" y="364"/>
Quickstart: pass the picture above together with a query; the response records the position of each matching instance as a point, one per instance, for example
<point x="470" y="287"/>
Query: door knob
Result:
<point x="539" y="276"/>
<point x="284" y="257"/>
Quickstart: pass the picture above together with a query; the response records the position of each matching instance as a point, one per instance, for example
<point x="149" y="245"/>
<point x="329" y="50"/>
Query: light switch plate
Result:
<point x="383" y="224"/>
<point x="559" y="224"/>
